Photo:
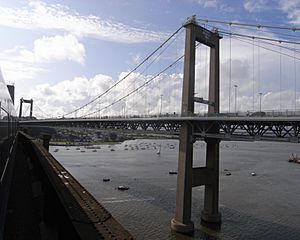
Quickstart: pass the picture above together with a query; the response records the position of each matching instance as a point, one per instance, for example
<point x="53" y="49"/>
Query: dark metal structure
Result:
<point x="22" y="100"/>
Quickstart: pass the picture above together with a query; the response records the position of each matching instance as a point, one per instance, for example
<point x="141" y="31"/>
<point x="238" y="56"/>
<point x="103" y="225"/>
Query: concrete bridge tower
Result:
<point x="189" y="176"/>
<point x="22" y="100"/>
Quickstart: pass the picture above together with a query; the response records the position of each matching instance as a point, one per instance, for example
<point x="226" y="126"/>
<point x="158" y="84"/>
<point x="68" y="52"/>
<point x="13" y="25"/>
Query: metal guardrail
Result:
<point x="5" y="180"/>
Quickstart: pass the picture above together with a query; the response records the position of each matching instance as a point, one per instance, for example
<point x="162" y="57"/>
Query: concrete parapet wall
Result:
<point x="63" y="207"/>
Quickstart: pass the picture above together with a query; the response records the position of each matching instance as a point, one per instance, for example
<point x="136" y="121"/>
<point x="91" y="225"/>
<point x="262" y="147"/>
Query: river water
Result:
<point x="265" y="206"/>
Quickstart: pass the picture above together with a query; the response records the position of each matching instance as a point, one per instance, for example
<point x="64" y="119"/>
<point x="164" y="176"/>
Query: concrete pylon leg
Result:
<point x="210" y="212"/>
<point x="182" y="220"/>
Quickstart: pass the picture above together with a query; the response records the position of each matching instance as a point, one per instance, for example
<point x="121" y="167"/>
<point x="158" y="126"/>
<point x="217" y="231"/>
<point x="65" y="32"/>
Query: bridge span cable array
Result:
<point x="261" y="31"/>
<point x="261" y="42"/>
<point x="136" y="89"/>
<point x="153" y="60"/>
<point x="261" y="37"/>
<point x="142" y="72"/>
<point x="266" y="48"/>
<point x="128" y="74"/>
<point x="259" y="26"/>
<point x="265" y="40"/>
<point x="133" y="92"/>
<point x="42" y="113"/>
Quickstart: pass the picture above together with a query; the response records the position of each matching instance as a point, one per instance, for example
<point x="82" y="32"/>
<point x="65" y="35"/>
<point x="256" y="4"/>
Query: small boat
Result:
<point x="106" y="179"/>
<point x="56" y="150"/>
<point x="94" y="150"/>
<point x="82" y="151"/>
<point x="77" y="148"/>
<point x="172" y="172"/>
<point x="122" y="188"/>
<point x="112" y="149"/>
<point x="158" y="150"/>
<point x="294" y="158"/>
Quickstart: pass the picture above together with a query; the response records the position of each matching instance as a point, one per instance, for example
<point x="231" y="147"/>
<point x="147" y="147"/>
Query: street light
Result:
<point x="124" y="108"/>
<point x="149" y="109"/>
<point x="260" y="101"/>
<point x="99" y="111"/>
<point x="235" y="94"/>
<point x="161" y="104"/>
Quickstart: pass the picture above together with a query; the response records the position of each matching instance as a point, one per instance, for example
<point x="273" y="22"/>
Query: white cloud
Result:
<point x="20" y="64"/>
<point x="39" y="15"/>
<point x="208" y="3"/>
<point x="217" y="4"/>
<point x="292" y="8"/>
<point x="16" y="70"/>
<point x="136" y="58"/>
<point x="58" y="48"/>
<point x="255" y="5"/>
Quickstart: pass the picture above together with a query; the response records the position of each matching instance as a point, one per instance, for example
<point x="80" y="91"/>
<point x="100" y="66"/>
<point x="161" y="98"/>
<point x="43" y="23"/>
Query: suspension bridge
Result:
<point x="226" y="95"/>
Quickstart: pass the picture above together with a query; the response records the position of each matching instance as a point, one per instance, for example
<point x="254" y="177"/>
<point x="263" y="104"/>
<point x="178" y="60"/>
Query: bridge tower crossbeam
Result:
<point x="189" y="176"/>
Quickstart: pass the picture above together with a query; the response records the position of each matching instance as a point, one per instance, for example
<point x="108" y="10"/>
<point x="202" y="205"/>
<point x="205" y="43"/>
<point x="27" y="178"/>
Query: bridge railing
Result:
<point x="249" y="113"/>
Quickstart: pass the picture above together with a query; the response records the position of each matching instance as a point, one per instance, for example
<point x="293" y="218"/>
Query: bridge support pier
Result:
<point x="189" y="177"/>
<point x="210" y="212"/>
<point x="182" y="221"/>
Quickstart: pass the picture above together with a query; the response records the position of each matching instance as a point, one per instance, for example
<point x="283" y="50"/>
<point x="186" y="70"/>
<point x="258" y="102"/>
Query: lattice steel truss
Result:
<point x="230" y="128"/>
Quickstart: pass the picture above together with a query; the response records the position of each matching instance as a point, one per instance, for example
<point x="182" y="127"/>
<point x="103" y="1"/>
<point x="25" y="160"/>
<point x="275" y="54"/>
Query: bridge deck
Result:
<point x="222" y="127"/>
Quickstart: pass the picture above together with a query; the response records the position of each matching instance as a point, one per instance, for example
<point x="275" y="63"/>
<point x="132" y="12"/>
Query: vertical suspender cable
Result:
<point x="258" y="62"/>
<point x="253" y="77"/>
<point x="295" y="78"/>
<point x="229" y="87"/>
<point x="206" y="78"/>
<point x="280" y="77"/>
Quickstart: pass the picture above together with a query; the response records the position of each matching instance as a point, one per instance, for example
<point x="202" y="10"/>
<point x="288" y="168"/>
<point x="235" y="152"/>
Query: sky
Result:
<point x="63" y="54"/>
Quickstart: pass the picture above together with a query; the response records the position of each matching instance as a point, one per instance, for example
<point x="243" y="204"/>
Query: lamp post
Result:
<point x="260" y="94"/>
<point x="124" y="108"/>
<point x="149" y="109"/>
<point x="235" y="95"/>
<point x="160" y="104"/>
